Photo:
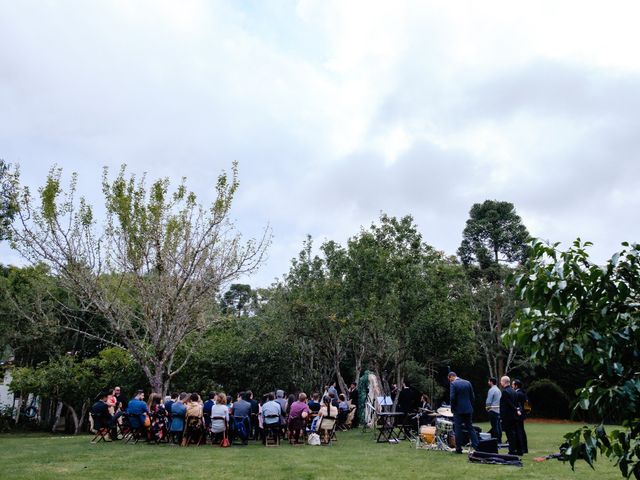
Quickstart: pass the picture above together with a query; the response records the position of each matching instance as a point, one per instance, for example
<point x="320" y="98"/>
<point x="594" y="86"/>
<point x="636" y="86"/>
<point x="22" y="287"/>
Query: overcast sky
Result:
<point x="338" y="110"/>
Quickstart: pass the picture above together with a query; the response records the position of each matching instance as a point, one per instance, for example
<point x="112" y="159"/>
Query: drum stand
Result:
<point x="440" y="441"/>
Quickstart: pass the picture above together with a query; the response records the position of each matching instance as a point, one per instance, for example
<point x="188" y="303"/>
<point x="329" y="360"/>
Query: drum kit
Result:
<point x="440" y="436"/>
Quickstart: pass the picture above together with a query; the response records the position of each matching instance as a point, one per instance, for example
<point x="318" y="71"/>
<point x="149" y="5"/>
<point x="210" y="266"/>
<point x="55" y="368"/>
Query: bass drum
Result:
<point x="428" y="433"/>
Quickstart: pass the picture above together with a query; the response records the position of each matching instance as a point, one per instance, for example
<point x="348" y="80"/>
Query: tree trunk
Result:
<point x="18" y="408"/>
<point x="341" y="382"/>
<point x="56" y="417"/>
<point x="399" y="383"/>
<point x="359" y="357"/>
<point x="500" y="354"/>
<point x="157" y="378"/>
<point x="74" y="416"/>
<point x="83" y="412"/>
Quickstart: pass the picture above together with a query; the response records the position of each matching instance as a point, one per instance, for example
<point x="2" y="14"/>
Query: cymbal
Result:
<point x="445" y="412"/>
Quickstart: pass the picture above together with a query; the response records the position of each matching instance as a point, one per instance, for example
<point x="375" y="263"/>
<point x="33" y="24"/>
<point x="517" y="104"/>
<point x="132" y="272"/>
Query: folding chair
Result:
<point x="241" y="429"/>
<point x="327" y="430"/>
<point x="102" y="431"/>
<point x="134" y="429"/>
<point x="214" y="435"/>
<point x="193" y="431"/>
<point x="386" y="425"/>
<point x="351" y="416"/>
<point x="342" y="420"/>
<point x="308" y="425"/>
<point x="297" y="429"/>
<point x="406" y="427"/>
<point x="272" y="429"/>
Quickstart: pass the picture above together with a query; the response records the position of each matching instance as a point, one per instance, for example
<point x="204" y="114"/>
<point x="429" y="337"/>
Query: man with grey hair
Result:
<point x="493" y="408"/>
<point x="509" y="414"/>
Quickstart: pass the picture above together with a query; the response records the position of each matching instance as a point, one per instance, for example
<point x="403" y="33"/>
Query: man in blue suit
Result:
<point x="461" y="399"/>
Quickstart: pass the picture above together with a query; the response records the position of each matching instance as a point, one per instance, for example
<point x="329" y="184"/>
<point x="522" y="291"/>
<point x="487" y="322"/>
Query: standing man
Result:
<point x="461" y="399"/>
<point x="332" y="389"/>
<point x="509" y="414"/>
<point x="355" y="401"/>
<point x="493" y="407"/>
<point x="121" y="400"/>
<point x="522" y="399"/>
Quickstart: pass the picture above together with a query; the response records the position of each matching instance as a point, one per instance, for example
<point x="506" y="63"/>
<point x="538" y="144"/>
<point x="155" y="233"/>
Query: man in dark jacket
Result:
<point x="461" y="398"/>
<point x="509" y="415"/>
<point x="521" y="397"/>
<point x="102" y="418"/>
<point x="355" y="401"/>
<point x="255" y="410"/>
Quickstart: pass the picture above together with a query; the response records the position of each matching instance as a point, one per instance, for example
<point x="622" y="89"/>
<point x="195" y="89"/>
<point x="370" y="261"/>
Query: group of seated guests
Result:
<point x="184" y="418"/>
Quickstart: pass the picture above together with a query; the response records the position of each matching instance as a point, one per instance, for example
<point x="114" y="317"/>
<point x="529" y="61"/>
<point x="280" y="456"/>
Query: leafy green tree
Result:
<point x="315" y="310"/>
<point x="8" y="204"/>
<point x="33" y="308"/>
<point x="379" y="303"/>
<point x="249" y="352"/>
<point x="443" y="333"/>
<point x="240" y="300"/>
<point x="152" y="272"/>
<point x="391" y="270"/>
<point x="589" y="315"/>
<point x="74" y="382"/>
<point x="494" y="233"/>
<point x="494" y="242"/>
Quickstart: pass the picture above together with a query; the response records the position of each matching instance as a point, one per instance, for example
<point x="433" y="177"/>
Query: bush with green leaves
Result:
<point x="76" y="382"/>
<point x="589" y="314"/>
<point x="547" y="399"/>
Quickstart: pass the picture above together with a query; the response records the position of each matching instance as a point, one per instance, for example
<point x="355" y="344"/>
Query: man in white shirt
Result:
<point x="493" y="407"/>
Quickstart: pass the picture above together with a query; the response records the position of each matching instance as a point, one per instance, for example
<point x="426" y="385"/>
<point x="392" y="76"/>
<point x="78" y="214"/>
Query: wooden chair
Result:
<point x="224" y="433"/>
<point x="193" y="431"/>
<point x="133" y="428"/>
<point x="241" y="427"/>
<point x="327" y="429"/>
<point x="351" y="416"/>
<point x="272" y="429"/>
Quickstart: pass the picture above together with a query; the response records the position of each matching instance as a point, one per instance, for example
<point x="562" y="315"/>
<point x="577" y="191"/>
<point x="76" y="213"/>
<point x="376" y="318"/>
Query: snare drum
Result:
<point x="444" y="426"/>
<point x="428" y="433"/>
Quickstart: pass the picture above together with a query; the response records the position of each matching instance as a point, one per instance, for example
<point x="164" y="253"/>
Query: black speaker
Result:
<point x="488" y="446"/>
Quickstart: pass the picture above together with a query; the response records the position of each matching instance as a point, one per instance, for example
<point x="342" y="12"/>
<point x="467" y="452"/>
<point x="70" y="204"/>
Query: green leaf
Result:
<point x="579" y="351"/>
<point x="584" y="403"/>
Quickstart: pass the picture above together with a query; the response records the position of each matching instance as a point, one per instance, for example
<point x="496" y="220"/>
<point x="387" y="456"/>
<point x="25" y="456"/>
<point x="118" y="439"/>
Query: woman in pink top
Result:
<point x="111" y="402"/>
<point x="297" y="417"/>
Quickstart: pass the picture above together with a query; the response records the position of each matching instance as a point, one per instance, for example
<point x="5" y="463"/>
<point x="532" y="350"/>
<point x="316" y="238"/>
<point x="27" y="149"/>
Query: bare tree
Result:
<point x="152" y="270"/>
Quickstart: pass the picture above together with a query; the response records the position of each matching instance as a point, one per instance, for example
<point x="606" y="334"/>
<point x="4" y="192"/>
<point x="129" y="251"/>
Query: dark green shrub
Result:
<point x="548" y="400"/>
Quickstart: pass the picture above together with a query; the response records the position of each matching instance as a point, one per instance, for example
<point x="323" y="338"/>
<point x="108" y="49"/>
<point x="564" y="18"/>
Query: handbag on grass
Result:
<point x="225" y="441"/>
<point x="314" y="439"/>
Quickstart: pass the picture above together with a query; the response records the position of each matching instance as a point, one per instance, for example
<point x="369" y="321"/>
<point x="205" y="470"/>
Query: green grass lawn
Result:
<point x="355" y="455"/>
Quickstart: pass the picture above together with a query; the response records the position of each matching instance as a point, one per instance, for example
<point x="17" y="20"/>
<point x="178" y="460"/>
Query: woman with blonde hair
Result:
<point x="219" y="418"/>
